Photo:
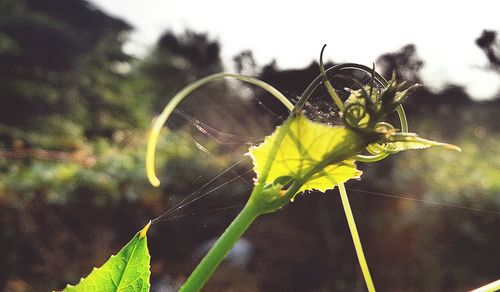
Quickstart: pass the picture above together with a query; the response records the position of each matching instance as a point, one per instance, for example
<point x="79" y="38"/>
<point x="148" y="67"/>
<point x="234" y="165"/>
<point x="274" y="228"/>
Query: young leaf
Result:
<point x="408" y="141"/>
<point x="305" y="146"/>
<point x="126" y="271"/>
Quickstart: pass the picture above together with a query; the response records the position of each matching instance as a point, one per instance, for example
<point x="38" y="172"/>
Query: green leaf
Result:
<point x="408" y="141"/>
<point x="299" y="149"/>
<point x="126" y="271"/>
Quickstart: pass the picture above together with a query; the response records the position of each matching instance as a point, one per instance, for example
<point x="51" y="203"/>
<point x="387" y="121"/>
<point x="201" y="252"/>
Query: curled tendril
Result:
<point x="384" y="148"/>
<point x="352" y="111"/>
<point x="353" y="114"/>
<point x="169" y="108"/>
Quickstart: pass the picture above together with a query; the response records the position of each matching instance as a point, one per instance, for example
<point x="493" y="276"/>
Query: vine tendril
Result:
<point x="169" y="108"/>
<point x="335" y="71"/>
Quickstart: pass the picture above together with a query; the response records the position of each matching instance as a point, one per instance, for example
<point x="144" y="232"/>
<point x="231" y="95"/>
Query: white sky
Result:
<point x="293" y="32"/>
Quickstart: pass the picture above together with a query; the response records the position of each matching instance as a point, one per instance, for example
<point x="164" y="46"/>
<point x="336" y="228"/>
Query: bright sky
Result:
<point x="293" y="32"/>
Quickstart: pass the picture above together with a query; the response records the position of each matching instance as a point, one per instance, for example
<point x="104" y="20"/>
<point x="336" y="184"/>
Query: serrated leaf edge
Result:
<point x="140" y="235"/>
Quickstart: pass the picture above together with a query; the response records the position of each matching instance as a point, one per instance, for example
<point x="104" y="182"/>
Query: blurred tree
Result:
<point x="490" y="45"/>
<point x="176" y="61"/>
<point x="61" y="66"/>
<point x="245" y="63"/>
<point x="292" y="83"/>
<point x="405" y="63"/>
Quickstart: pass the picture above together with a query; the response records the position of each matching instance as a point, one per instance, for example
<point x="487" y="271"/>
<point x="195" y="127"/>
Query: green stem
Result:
<point x="355" y="238"/>
<point x="221" y="248"/>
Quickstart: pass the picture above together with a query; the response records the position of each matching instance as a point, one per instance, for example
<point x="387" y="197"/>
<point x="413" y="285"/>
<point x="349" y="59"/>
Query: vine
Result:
<point x="303" y="155"/>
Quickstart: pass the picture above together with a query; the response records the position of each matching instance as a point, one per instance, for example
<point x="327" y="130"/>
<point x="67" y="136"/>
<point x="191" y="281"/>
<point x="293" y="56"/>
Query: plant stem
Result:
<point x="355" y="238"/>
<point x="221" y="248"/>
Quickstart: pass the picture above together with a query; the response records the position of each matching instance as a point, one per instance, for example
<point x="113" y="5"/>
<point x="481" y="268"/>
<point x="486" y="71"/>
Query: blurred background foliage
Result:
<point x="74" y="116"/>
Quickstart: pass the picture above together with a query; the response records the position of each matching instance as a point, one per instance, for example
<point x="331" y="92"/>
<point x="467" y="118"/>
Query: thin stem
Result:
<point x="355" y="238"/>
<point x="221" y="248"/>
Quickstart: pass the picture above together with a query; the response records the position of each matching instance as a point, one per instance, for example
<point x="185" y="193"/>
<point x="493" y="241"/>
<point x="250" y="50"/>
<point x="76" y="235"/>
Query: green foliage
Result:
<point x="106" y="172"/>
<point x="128" y="270"/>
<point x="478" y="187"/>
<point x="60" y="74"/>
